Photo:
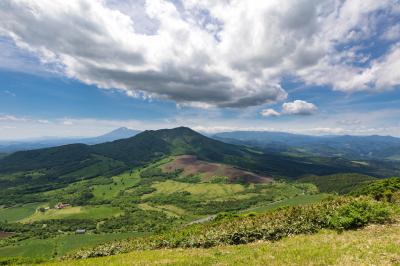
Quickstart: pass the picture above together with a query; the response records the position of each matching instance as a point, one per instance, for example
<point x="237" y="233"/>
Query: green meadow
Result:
<point x="18" y="213"/>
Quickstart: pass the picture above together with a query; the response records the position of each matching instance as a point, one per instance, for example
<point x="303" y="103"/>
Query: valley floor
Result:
<point x="373" y="245"/>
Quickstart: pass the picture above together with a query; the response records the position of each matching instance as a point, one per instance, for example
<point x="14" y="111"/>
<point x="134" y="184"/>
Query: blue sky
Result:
<point x="311" y="67"/>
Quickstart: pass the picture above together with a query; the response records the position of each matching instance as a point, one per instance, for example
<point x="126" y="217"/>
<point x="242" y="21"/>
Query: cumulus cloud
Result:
<point x="11" y="118"/>
<point x="299" y="107"/>
<point x="269" y="112"/>
<point x="68" y="122"/>
<point x="204" y="53"/>
<point x="392" y="33"/>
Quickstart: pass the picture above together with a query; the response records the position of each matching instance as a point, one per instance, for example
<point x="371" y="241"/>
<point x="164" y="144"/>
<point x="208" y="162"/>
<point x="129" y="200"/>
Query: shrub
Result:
<point x="380" y="190"/>
<point x="359" y="213"/>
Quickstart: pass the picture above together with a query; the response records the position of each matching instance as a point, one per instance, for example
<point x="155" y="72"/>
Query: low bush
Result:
<point x="359" y="213"/>
<point x="381" y="190"/>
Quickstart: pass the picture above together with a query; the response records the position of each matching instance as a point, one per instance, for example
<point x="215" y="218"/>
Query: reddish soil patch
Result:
<point x="5" y="234"/>
<point x="190" y="165"/>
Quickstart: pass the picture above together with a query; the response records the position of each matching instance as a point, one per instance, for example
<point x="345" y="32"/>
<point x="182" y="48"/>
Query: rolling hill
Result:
<point x="29" y="172"/>
<point x="151" y="145"/>
<point x="23" y="145"/>
<point x="350" y="147"/>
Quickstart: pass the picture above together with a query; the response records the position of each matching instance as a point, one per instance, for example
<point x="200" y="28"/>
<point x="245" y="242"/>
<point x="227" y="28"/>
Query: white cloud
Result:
<point x="11" y="118"/>
<point x="299" y="107"/>
<point x="203" y="53"/>
<point x="392" y="33"/>
<point x="67" y="122"/>
<point x="269" y="112"/>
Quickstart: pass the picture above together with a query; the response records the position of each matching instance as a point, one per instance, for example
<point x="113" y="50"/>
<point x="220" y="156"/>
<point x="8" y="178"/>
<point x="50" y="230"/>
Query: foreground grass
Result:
<point x="373" y="245"/>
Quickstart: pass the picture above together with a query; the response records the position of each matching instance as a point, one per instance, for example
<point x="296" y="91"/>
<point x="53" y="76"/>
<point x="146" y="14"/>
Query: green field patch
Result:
<point x="283" y="190"/>
<point x="77" y="212"/>
<point x="17" y="213"/>
<point x="170" y="210"/>
<point x="340" y="183"/>
<point x="58" y="246"/>
<point x="120" y="183"/>
<point x="173" y="209"/>
<point x="202" y="190"/>
<point x="299" y="200"/>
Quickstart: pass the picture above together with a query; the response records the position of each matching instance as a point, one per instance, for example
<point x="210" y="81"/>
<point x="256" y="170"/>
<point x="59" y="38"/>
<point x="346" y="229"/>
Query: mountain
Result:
<point x="24" y="145"/>
<point x="68" y="163"/>
<point x="350" y="147"/>
<point x="119" y="133"/>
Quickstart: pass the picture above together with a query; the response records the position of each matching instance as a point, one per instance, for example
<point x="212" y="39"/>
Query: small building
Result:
<point x="80" y="231"/>
<point x="61" y="205"/>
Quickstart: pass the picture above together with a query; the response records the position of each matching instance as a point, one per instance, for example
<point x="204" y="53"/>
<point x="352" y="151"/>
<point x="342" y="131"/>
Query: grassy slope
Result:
<point x="299" y="200"/>
<point x="374" y="245"/>
<point x="78" y="212"/>
<point x="340" y="183"/>
<point x="18" y="213"/>
<point x="46" y="248"/>
<point x="120" y="182"/>
<point x="203" y="190"/>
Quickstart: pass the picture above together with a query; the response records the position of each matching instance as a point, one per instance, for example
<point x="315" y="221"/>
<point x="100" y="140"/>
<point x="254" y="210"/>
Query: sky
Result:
<point x="86" y="67"/>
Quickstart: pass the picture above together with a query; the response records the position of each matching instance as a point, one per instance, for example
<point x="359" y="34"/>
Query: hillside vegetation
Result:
<point x="25" y="173"/>
<point x="339" y="183"/>
<point x="147" y="200"/>
<point x="374" y="245"/>
<point x="339" y="214"/>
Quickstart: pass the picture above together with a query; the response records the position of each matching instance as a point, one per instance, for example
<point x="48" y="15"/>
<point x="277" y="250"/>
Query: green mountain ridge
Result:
<point x="149" y="146"/>
<point x="26" y="172"/>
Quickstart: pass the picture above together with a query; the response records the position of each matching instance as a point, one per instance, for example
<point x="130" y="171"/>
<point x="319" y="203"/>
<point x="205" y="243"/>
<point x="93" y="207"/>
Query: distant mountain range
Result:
<point x="350" y="147"/>
<point x="22" y="145"/>
<point x="29" y="172"/>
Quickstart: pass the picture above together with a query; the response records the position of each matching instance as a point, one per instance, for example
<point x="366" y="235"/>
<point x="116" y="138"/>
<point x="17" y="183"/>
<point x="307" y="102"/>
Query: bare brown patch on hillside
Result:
<point x="5" y="234"/>
<point x="191" y="166"/>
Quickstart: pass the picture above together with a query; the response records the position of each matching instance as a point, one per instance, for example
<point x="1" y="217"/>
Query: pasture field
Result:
<point x="169" y="210"/>
<point x="77" y="212"/>
<point x="18" y="213"/>
<point x="120" y="183"/>
<point x="202" y="190"/>
<point x="373" y="245"/>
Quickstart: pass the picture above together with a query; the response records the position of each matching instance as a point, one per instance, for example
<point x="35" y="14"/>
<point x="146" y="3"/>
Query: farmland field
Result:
<point x="17" y="213"/>
<point x="120" y="182"/>
<point x="78" y="212"/>
<point x="203" y="190"/>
